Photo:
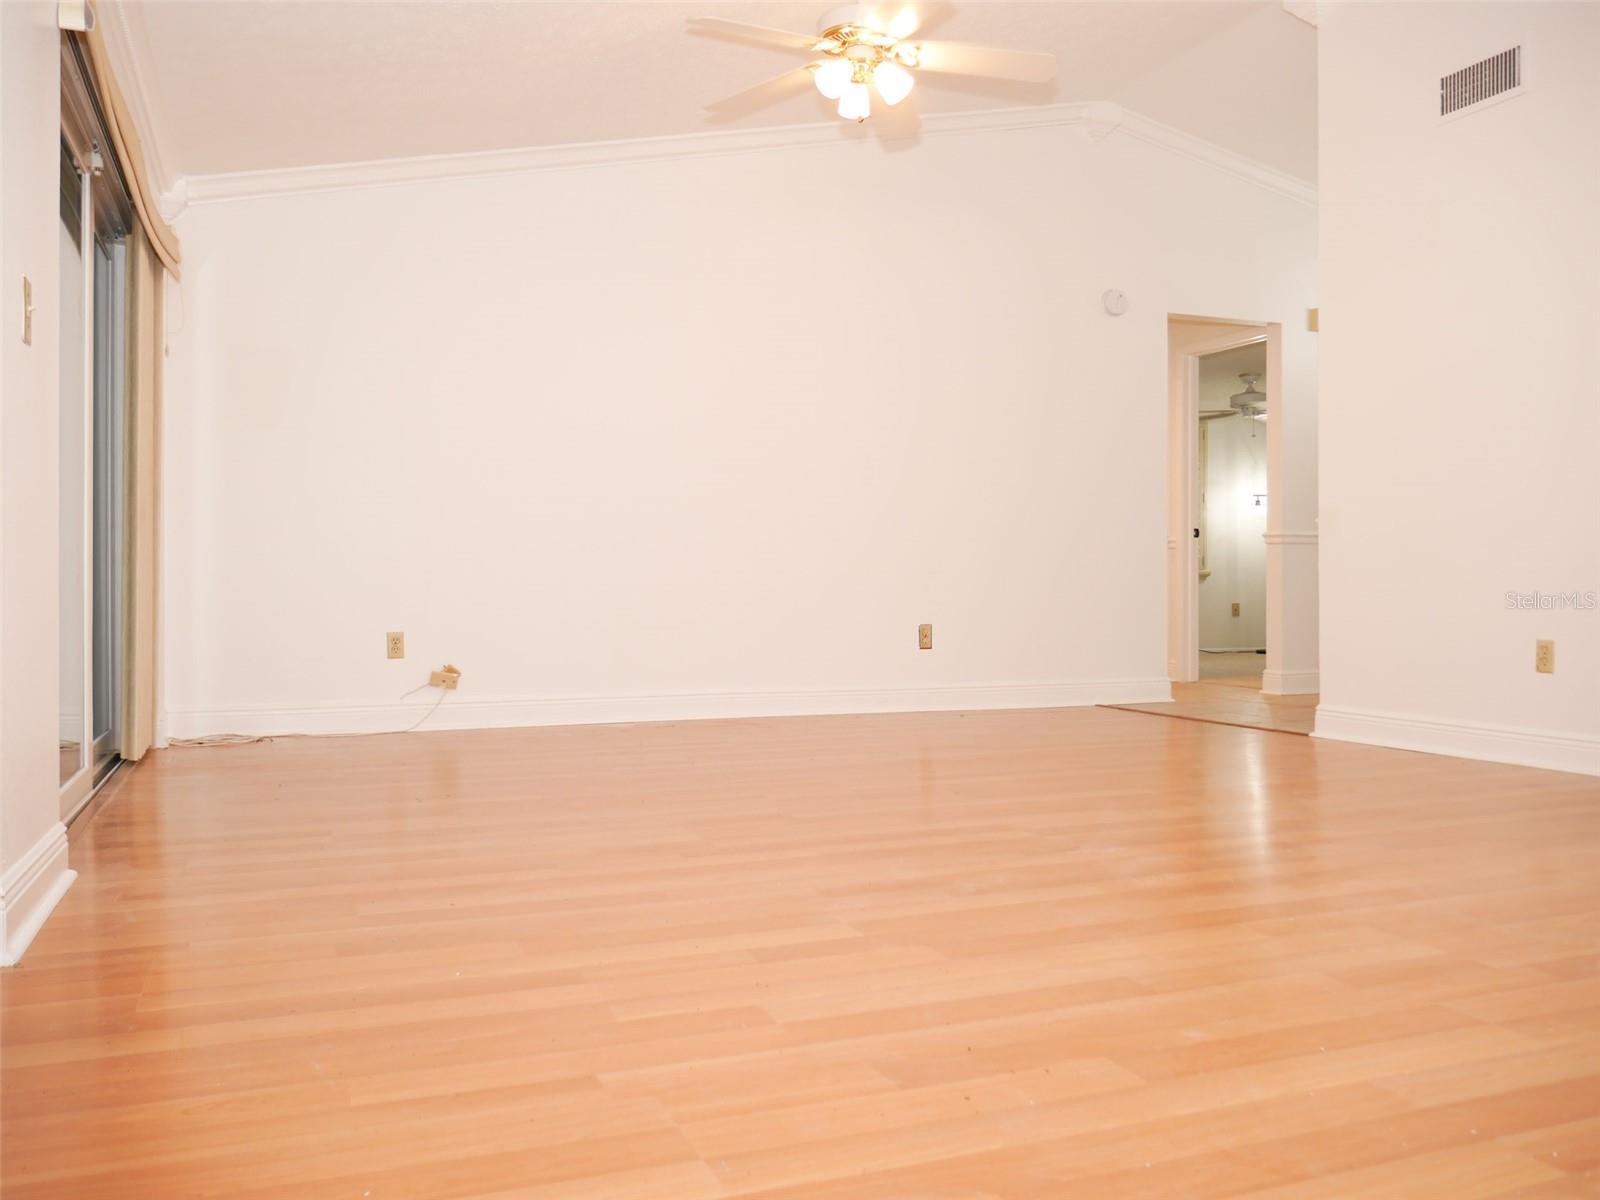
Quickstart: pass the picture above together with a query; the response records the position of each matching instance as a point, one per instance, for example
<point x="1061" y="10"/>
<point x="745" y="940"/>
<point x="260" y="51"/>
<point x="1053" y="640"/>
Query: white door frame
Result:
<point x="1183" y="556"/>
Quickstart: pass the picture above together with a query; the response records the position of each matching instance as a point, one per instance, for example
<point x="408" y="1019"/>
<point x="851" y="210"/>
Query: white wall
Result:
<point x="700" y="435"/>
<point x="1460" y="299"/>
<point x="1236" y="471"/>
<point x="33" y="851"/>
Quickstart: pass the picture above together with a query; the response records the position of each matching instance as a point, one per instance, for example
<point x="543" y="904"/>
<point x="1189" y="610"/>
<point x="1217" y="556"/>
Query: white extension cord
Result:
<point x="249" y="739"/>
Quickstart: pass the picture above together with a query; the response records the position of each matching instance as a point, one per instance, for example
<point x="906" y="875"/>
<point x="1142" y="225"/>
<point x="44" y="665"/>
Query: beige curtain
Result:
<point x="141" y="475"/>
<point x="130" y="154"/>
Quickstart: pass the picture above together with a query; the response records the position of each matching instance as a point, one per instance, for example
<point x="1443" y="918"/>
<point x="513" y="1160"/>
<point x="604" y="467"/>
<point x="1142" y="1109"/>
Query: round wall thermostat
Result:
<point x="1116" y="303"/>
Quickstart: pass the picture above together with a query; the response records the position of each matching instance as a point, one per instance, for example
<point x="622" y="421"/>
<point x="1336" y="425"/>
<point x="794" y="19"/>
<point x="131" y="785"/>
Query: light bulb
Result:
<point x="833" y="77"/>
<point x="894" y="82"/>
<point x="856" y="103"/>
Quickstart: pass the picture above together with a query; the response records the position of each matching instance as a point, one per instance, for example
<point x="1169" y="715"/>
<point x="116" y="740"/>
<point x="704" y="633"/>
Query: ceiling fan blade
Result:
<point x="762" y="94"/>
<point x="741" y="32"/>
<point x="906" y="18"/>
<point x="956" y="58"/>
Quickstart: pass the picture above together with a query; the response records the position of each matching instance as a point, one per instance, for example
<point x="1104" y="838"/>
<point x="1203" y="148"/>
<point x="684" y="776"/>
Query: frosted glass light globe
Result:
<point x="833" y="77"/>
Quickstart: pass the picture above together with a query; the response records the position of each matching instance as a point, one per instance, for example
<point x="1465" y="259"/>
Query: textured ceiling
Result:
<point x="237" y="85"/>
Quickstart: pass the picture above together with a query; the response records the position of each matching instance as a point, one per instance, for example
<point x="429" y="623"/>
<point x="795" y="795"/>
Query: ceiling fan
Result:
<point x="1248" y="403"/>
<point x="866" y="46"/>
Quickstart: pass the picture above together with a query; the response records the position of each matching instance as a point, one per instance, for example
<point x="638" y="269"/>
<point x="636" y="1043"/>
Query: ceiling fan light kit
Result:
<point x="866" y="46"/>
<point x="857" y="55"/>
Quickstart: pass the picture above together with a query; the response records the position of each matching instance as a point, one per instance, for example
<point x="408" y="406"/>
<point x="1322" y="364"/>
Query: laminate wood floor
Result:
<point x="1234" y="702"/>
<point x="1021" y="955"/>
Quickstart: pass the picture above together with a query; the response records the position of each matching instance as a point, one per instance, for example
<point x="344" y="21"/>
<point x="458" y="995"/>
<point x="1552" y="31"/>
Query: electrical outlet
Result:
<point x="1544" y="657"/>
<point x="446" y="679"/>
<point x="1236" y="608"/>
<point x="924" y="637"/>
<point x="396" y="643"/>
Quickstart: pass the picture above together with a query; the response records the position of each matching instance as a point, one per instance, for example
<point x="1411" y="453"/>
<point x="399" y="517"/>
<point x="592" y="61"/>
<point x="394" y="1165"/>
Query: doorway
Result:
<point x="1225" y="469"/>
<point x="1231" y="513"/>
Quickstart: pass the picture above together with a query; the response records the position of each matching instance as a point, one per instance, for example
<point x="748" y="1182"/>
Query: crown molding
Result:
<point x="1306" y="10"/>
<point x="1186" y="145"/>
<point x="1099" y="118"/>
<point x="121" y="43"/>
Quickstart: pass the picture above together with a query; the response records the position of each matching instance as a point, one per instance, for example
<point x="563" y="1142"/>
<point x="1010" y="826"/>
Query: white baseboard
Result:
<point x="30" y="890"/>
<point x="600" y="710"/>
<point x="1522" y="747"/>
<point x="1291" y="683"/>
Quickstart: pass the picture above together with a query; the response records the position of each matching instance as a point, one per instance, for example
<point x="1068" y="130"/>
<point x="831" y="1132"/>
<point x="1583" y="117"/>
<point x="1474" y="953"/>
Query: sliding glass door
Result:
<point x="109" y="407"/>
<point x="76" y="239"/>
<point x="95" y="220"/>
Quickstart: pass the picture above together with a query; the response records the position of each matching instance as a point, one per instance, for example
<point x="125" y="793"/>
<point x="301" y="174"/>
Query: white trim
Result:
<point x="1283" y="537"/>
<point x="1186" y="144"/>
<point x="30" y="891"/>
<point x="601" y="710"/>
<point x="1524" y="747"/>
<point x="1305" y="10"/>
<point x="1291" y="683"/>
<point x="1096" y="116"/>
<point x="1190" y="434"/>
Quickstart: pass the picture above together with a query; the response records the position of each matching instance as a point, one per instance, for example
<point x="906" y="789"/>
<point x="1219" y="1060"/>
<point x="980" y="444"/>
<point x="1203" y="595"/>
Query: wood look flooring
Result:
<point x="1237" y="701"/>
<point x="984" y="956"/>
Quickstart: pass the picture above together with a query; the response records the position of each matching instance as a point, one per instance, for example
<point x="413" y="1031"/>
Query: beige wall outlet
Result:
<point x="924" y="637"/>
<point x="1544" y="657"/>
<point x="1236" y="608"/>
<point x="396" y="643"/>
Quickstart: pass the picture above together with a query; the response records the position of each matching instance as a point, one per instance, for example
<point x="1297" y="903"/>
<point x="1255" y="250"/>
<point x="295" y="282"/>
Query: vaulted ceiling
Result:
<point x="238" y="85"/>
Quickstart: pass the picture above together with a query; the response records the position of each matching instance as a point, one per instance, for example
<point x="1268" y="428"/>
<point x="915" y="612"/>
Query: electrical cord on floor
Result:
<point x="250" y="739"/>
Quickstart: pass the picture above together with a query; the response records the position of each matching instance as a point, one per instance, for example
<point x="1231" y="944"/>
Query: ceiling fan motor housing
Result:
<point x="1249" y="402"/>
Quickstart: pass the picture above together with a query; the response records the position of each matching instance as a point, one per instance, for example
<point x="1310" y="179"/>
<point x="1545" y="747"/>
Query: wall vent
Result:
<point x="1498" y="75"/>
